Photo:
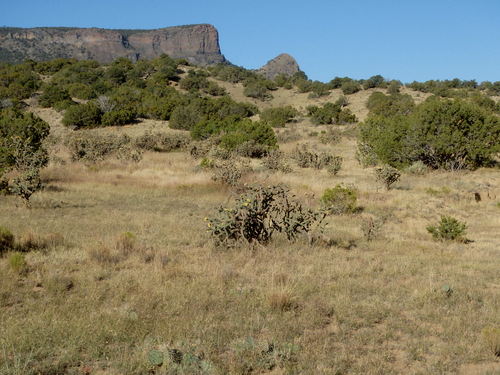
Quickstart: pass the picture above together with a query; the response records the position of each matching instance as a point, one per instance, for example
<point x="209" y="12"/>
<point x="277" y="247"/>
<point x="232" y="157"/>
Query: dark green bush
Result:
<point x="53" y="94"/>
<point x="81" y="91"/>
<point x="330" y="113"/>
<point x="257" y="89"/>
<point x="449" y="229"/>
<point x="16" y="129"/>
<point x="350" y="87"/>
<point x="83" y="116"/>
<point x="244" y="131"/>
<point x="390" y="105"/>
<point x="18" y="81"/>
<point x="279" y="116"/>
<point x="118" y="117"/>
<point x="449" y="134"/>
<point x="185" y="117"/>
<point x="195" y="80"/>
<point x="21" y="152"/>
<point x="374" y="81"/>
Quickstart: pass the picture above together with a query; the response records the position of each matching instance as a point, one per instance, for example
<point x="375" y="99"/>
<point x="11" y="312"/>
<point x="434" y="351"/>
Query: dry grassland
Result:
<point x="89" y="302"/>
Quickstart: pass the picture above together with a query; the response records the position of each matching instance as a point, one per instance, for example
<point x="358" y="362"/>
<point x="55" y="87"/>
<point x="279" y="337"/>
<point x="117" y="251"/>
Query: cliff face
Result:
<point x="199" y="44"/>
<point x="281" y="64"/>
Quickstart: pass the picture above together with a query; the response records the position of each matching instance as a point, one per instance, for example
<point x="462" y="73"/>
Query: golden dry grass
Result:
<point x="90" y="305"/>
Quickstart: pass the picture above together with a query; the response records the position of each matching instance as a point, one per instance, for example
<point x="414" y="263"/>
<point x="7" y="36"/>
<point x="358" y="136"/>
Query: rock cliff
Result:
<point x="199" y="44"/>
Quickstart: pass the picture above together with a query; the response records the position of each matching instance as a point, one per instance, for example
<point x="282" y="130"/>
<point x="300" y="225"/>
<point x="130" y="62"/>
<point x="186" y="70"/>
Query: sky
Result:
<point x="400" y="39"/>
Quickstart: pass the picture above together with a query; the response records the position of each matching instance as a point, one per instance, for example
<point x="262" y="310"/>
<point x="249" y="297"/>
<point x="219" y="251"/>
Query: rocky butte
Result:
<point x="281" y="64"/>
<point x="199" y="44"/>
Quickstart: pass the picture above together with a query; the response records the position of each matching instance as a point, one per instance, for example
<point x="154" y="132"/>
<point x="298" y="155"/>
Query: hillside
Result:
<point x="115" y="269"/>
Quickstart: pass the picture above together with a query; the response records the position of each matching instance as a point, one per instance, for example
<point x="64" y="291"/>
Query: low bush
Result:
<point x="260" y="213"/>
<point x="257" y="89"/>
<point x="307" y="158"/>
<point x="350" y="87"/>
<point x="53" y="94"/>
<point x="92" y="148"/>
<point x="118" y="117"/>
<point x="441" y="133"/>
<point x="162" y="142"/>
<point x="330" y="113"/>
<point x="83" y="116"/>
<point x="390" y="105"/>
<point x="278" y="117"/>
<point x="449" y="229"/>
<point x="340" y="200"/>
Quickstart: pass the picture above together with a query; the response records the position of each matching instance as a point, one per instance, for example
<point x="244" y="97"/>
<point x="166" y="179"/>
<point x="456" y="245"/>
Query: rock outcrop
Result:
<point x="281" y="64"/>
<point x="199" y="44"/>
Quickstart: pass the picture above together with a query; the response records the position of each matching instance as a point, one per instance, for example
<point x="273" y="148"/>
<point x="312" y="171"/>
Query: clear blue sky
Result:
<point x="400" y="39"/>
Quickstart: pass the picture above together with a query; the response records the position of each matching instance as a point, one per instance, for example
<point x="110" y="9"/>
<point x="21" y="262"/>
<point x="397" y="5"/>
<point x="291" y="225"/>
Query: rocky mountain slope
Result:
<point x="199" y="44"/>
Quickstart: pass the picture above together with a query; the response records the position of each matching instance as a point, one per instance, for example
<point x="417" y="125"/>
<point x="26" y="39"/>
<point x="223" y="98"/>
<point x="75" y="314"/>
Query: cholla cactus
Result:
<point x="261" y="212"/>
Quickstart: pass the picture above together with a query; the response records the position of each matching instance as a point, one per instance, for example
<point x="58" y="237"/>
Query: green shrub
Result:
<point x="185" y="117"/>
<point x="118" y="117"/>
<point x="6" y="240"/>
<point x="82" y="116"/>
<point x="279" y="116"/>
<point x="53" y="94"/>
<point x="449" y="229"/>
<point x="390" y="105"/>
<point x="257" y="89"/>
<point x="350" y="87"/>
<point x="330" y="113"/>
<point x="374" y="81"/>
<point x="340" y="200"/>
<point x="194" y="81"/>
<point x="449" y="134"/>
<point x="22" y="154"/>
<point x="387" y="175"/>
<point x="261" y="212"/>
<point x="81" y="91"/>
<point x="237" y="134"/>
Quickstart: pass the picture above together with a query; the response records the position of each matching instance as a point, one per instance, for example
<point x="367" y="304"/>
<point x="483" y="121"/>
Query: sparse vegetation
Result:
<point x="329" y="264"/>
